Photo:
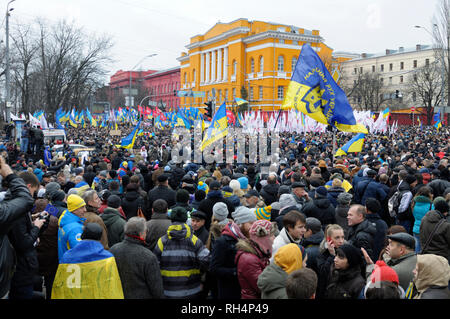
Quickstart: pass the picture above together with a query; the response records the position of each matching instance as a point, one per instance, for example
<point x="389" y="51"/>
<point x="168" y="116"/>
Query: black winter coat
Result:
<point x="131" y="201"/>
<point x="162" y="192"/>
<point x="269" y="193"/>
<point x="17" y="203"/>
<point x="208" y="203"/>
<point x="322" y="209"/>
<point x="345" y="284"/>
<point x="363" y="236"/>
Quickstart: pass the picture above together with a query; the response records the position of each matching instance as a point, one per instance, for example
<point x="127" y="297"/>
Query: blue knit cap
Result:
<point x="243" y="181"/>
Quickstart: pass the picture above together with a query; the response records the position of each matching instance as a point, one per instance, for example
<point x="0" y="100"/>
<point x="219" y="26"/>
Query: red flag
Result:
<point x="231" y="117"/>
<point x="148" y="111"/>
<point x="140" y="109"/>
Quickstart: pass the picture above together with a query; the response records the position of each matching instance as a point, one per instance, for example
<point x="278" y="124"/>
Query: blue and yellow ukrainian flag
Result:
<point x="386" y="113"/>
<point x="91" y="118"/>
<point x="128" y="142"/>
<point x="313" y="91"/>
<point x="420" y="122"/>
<point x="72" y="120"/>
<point x="437" y="119"/>
<point x="353" y="146"/>
<point x="240" y="101"/>
<point x="87" y="271"/>
<point x="217" y="129"/>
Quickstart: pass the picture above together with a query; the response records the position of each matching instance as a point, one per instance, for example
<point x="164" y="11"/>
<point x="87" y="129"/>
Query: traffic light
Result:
<point x="208" y="112"/>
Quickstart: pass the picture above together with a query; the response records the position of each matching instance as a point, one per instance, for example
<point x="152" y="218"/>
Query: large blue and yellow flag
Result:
<point x="128" y="142"/>
<point x="437" y="119"/>
<point x="87" y="271"/>
<point x="386" y="113"/>
<point x="240" y="101"/>
<point x="72" y="120"/>
<point x="217" y="129"/>
<point x="353" y="146"/>
<point x="313" y="91"/>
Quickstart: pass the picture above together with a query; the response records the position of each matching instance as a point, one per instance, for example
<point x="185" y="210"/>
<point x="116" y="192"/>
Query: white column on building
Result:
<point x="219" y="65"/>
<point x="213" y="66"/>
<point x="202" y="68"/>
<point x="225" y="64"/>
<point x="208" y="67"/>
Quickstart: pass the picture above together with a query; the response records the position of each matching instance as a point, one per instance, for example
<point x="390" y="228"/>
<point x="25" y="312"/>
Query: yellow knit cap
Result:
<point x="289" y="258"/>
<point x="74" y="202"/>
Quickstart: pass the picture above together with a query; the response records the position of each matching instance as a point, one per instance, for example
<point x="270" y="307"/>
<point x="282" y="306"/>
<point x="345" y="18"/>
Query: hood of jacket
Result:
<point x="68" y="218"/>
<point x="422" y="199"/>
<point x="110" y="215"/>
<point x="272" y="278"/>
<point x="232" y="229"/>
<point x="179" y="231"/>
<point x="314" y="239"/>
<point x="248" y="246"/>
<point x="404" y="186"/>
<point x="271" y="189"/>
<point x="335" y="191"/>
<point x="342" y="210"/>
<point x="131" y="196"/>
<point x="322" y="203"/>
<point x="432" y="270"/>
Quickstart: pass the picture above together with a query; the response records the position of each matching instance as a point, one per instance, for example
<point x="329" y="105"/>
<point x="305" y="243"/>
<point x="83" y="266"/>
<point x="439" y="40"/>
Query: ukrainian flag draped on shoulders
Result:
<point x="217" y="129"/>
<point x="313" y="91"/>
<point x="87" y="271"/>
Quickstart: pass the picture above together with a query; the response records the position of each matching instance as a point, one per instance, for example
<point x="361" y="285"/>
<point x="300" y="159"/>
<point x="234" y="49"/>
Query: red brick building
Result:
<point x="154" y="88"/>
<point x="162" y="87"/>
<point x="120" y="83"/>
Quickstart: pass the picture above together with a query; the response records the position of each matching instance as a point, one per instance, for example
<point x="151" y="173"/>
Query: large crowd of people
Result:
<point x="368" y="225"/>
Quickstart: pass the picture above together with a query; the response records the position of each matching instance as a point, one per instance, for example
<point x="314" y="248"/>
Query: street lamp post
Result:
<point x="7" y="80"/>
<point x="129" y="89"/>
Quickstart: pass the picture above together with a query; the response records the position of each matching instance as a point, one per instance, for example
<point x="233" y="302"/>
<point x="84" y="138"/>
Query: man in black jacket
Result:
<point x="269" y="192"/>
<point x="162" y="191"/>
<point x="362" y="231"/>
<point x="17" y="203"/>
<point x="23" y="236"/>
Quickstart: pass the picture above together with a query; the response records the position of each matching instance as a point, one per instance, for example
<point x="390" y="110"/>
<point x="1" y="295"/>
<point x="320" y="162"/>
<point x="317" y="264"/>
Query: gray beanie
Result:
<point x="220" y="213"/>
<point x="51" y="188"/>
<point x="344" y="198"/>
<point x="243" y="215"/>
<point x="287" y="200"/>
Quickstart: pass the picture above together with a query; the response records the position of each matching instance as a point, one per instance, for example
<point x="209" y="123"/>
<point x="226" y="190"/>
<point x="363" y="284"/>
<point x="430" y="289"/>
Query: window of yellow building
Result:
<point x="280" y="63"/>
<point x="294" y="62"/>
<point x="261" y="63"/>
<point x="280" y="92"/>
<point x="252" y="65"/>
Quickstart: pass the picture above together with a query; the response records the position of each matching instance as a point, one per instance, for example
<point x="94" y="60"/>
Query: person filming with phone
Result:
<point x="14" y="210"/>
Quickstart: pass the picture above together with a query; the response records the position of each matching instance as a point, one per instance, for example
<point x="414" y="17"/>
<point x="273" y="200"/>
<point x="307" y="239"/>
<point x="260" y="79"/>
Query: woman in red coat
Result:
<point x="253" y="256"/>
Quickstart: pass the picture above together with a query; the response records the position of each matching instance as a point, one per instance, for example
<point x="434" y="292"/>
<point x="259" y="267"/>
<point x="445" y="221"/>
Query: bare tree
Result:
<point x="25" y="49"/>
<point x="368" y="91"/>
<point x="441" y="39"/>
<point x="426" y="84"/>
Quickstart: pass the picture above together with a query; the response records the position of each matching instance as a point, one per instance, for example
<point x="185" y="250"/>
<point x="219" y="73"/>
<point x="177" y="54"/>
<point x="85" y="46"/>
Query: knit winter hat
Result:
<point x="353" y="254"/>
<point x="243" y="181"/>
<point x="235" y="185"/>
<point x="321" y="191"/>
<point x="260" y="233"/>
<point x="243" y="215"/>
<point x="74" y="202"/>
<point x="203" y="186"/>
<point x="344" y="198"/>
<point x="263" y="212"/>
<point x="286" y="200"/>
<point x="114" y="201"/>
<point x="289" y="258"/>
<point x="440" y="204"/>
<point x="58" y="196"/>
<point x="178" y="214"/>
<point x="50" y="188"/>
<point x="220" y="213"/>
<point x="383" y="272"/>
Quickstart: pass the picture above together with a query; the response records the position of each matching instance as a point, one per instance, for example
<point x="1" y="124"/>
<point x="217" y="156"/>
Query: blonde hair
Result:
<point x="331" y="228"/>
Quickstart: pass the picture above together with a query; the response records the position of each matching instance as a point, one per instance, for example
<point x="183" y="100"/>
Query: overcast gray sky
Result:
<point x="141" y="27"/>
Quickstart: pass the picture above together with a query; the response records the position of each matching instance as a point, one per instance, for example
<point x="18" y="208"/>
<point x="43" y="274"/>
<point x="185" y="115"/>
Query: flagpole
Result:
<point x="334" y="143"/>
<point x="276" y="122"/>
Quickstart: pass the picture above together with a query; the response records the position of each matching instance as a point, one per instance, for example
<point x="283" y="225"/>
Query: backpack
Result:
<point x="394" y="203"/>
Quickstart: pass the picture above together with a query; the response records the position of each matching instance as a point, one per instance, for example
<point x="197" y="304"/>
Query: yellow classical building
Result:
<point x="259" y="56"/>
